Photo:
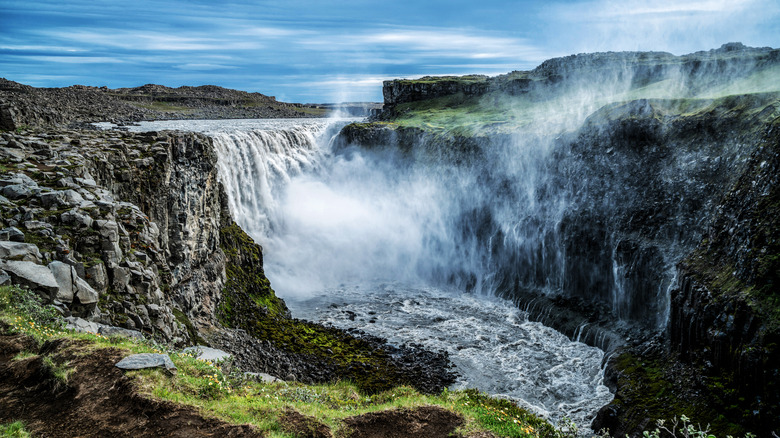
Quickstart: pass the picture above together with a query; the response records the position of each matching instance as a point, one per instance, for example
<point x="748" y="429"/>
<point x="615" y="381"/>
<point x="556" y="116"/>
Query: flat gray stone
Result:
<point x="207" y="353"/>
<point x="109" y="330"/>
<point x="32" y="275"/>
<point x="21" y="251"/>
<point x="146" y="360"/>
<point x="61" y="198"/>
<point x="80" y="325"/>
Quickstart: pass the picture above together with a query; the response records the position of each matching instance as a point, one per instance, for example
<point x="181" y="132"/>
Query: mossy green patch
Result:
<point x="249" y="303"/>
<point x="655" y="388"/>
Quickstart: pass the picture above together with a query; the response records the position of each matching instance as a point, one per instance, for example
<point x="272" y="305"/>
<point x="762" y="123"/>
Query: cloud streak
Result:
<point x="306" y="50"/>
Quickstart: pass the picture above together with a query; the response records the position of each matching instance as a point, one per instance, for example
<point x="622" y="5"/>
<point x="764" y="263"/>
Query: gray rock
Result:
<point x="32" y="275"/>
<point x="88" y="181"/>
<point x="62" y="198"/>
<point x="109" y="230"/>
<point x="63" y="274"/>
<point x="97" y="277"/>
<point x="20" y="251"/>
<point x="76" y="218"/>
<point x="121" y="278"/>
<point x="37" y="225"/>
<point x="146" y="360"/>
<point x="207" y="353"/>
<point x="18" y="178"/>
<point x="5" y="279"/>
<point x="80" y="325"/>
<point x="12" y="233"/>
<point x="71" y="285"/>
<point x="262" y="377"/>
<point x="17" y="191"/>
<point x="85" y="293"/>
<point x="154" y="310"/>
<point x="108" y="330"/>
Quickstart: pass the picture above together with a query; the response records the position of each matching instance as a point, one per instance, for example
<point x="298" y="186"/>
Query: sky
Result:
<point x="317" y="51"/>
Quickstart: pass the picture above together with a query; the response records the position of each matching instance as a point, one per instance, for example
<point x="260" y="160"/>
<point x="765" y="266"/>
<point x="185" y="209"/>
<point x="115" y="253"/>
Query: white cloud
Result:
<point x="668" y="25"/>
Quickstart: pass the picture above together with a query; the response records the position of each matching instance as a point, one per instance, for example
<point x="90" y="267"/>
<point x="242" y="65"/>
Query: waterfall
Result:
<point x="519" y="218"/>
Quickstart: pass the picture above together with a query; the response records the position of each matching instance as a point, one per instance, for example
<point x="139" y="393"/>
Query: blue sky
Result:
<point x="321" y="51"/>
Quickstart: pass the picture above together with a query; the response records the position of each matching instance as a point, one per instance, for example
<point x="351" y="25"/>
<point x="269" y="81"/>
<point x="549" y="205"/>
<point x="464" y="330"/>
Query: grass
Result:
<point x="14" y="430"/>
<point x="233" y="398"/>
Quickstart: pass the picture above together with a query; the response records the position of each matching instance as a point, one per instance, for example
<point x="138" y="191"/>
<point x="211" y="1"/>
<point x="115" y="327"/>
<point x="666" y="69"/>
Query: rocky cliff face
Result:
<point x="137" y="216"/>
<point x="719" y="358"/>
<point x="132" y="233"/>
<point x="691" y="73"/>
<point x="647" y="184"/>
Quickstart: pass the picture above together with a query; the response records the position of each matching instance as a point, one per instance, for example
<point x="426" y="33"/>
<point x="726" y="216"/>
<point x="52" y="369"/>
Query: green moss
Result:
<point x="249" y="303"/>
<point x="650" y="388"/>
<point x="245" y="275"/>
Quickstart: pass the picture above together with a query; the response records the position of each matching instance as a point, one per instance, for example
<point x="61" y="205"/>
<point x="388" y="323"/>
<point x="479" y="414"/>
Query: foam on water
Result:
<point x="492" y="344"/>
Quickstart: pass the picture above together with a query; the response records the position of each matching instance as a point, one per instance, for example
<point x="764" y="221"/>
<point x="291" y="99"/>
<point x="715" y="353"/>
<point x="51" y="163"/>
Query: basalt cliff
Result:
<point x="645" y="225"/>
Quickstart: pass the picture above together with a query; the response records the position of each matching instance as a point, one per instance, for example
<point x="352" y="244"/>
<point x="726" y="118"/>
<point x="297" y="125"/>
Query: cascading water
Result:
<point x="369" y="239"/>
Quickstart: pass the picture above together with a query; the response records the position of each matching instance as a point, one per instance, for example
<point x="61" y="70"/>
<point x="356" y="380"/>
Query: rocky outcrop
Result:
<point x="400" y="91"/>
<point x="132" y="231"/>
<point x="696" y="71"/>
<point x="719" y="361"/>
<point x="77" y="106"/>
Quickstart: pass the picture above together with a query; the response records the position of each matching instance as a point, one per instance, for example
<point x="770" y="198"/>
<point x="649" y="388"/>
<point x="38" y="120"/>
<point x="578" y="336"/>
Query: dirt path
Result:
<point x="98" y="401"/>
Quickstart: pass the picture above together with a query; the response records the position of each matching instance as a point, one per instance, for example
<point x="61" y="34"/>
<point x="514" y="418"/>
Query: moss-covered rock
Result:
<point x="249" y="303"/>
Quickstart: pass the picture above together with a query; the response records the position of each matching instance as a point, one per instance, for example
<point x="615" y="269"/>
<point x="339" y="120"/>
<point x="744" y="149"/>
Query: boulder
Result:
<point x="80" y="325"/>
<point x="71" y="285"/>
<point x="84" y="292"/>
<point x="108" y="330"/>
<point x="12" y="233"/>
<point x="32" y="275"/>
<point x="19" y="251"/>
<point x="74" y="217"/>
<point x="17" y="191"/>
<point x="61" y="198"/>
<point x="18" y="178"/>
<point x="146" y="360"/>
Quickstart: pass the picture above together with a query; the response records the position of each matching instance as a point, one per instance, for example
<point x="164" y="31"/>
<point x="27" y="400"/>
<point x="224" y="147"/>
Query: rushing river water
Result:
<point x="353" y="238"/>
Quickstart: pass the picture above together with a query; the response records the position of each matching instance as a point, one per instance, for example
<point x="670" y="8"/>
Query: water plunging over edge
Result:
<point x="326" y="219"/>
